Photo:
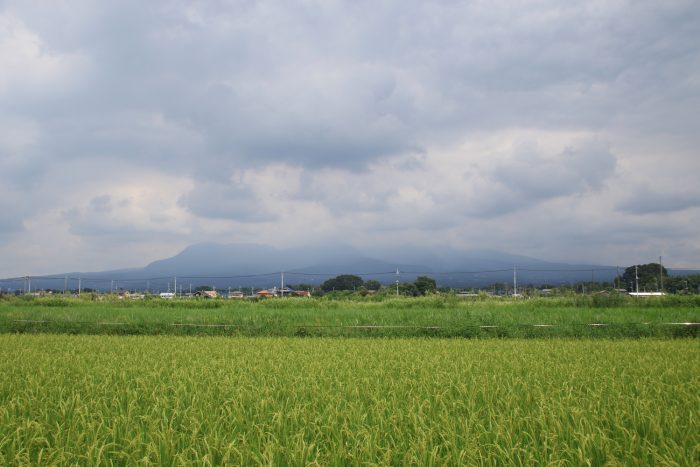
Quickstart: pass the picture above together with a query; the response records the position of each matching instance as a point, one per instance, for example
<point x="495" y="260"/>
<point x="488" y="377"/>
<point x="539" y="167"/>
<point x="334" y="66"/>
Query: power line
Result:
<point x="93" y="280"/>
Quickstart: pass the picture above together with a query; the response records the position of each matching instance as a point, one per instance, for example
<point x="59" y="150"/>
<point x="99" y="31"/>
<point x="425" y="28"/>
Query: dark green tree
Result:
<point x="342" y="282"/>
<point x="425" y="285"/>
<point x="683" y="284"/>
<point x="409" y="289"/>
<point x="649" y="277"/>
<point x="373" y="285"/>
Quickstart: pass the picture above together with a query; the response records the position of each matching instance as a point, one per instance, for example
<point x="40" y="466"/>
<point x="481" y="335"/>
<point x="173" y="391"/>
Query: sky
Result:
<point x="565" y="131"/>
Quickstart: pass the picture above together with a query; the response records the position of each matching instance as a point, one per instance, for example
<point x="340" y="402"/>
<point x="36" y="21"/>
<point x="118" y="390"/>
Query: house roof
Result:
<point x="206" y="293"/>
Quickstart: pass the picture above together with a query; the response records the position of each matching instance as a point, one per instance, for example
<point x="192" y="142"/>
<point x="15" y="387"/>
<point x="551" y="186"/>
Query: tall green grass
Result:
<point x="430" y="316"/>
<point x="92" y="400"/>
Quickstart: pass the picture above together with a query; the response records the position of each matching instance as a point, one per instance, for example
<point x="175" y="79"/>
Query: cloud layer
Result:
<point x="565" y="131"/>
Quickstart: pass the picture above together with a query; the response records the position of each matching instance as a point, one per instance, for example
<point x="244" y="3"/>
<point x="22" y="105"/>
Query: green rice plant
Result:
<point x="213" y="400"/>
<point x="437" y="316"/>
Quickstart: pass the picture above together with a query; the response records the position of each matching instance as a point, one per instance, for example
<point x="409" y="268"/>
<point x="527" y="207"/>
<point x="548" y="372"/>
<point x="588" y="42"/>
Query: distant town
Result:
<point x="644" y="280"/>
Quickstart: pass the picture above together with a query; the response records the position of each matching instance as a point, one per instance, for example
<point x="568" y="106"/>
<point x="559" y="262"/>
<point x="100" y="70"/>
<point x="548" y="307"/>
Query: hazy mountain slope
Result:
<point x="245" y="265"/>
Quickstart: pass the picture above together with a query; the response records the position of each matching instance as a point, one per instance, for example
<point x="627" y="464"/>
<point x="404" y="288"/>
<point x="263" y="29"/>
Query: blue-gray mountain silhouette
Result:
<point x="254" y="265"/>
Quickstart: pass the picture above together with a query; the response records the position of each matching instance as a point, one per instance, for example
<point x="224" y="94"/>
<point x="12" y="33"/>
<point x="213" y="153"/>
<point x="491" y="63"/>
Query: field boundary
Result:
<point x="357" y="326"/>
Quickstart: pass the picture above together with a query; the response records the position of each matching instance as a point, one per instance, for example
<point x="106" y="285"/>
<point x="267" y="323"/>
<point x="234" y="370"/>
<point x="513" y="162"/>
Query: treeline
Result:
<point x="650" y="277"/>
<point x="423" y="285"/>
<point x="654" y="277"/>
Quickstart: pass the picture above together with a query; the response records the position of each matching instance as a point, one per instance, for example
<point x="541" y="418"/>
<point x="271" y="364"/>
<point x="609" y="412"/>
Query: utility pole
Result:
<point x="397" y="282"/>
<point x="282" y="284"/>
<point x="661" y="275"/>
<point x="79" y="285"/>
<point x="29" y="284"/>
<point x="515" y="282"/>
<point x="175" y="286"/>
<point x="636" y="279"/>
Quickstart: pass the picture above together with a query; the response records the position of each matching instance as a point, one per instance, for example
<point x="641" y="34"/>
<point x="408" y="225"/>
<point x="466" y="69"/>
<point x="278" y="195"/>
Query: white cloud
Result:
<point x="131" y="127"/>
<point x="29" y="66"/>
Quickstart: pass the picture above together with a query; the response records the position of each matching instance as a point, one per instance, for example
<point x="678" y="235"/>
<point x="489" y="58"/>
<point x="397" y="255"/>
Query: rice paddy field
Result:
<point x="216" y="400"/>
<point x="438" y="316"/>
<point x="429" y="381"/>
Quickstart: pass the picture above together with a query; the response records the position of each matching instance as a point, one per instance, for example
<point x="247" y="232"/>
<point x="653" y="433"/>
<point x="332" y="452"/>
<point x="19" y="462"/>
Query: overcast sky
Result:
<point x="566" y="131"/>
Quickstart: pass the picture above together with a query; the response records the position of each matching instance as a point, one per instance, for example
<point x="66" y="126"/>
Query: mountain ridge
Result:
<point x="258" y="265"/>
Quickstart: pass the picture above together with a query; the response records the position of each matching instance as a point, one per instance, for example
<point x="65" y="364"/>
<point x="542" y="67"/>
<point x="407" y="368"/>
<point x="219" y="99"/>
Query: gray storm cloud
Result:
<point x="226" y="201"/>
<point x="360" y="109"/>
<point x="573" y="171"/>
<point x="311" y="86"/>
<point x="649" y="201"/>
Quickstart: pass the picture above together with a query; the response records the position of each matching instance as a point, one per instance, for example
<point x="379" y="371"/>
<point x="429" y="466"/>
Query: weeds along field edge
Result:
<point x="439" y="316"/>
<point x="213" y="400"/>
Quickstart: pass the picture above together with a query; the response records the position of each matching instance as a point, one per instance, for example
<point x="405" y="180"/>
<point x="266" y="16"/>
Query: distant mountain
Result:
<point x="450" y="259"/>
<point x="253" y="265"/>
